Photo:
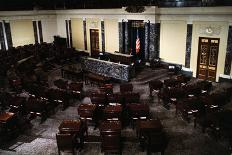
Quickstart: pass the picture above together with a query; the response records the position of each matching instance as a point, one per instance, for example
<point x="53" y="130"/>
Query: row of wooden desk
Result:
<point x="110" y="132"/>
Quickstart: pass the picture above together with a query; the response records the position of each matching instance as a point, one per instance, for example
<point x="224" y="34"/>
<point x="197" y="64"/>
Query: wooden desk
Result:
<point x="147" y="126"/>
<point x="86" y="111"/>
<point x="8" y="124"/>
<point x="70" y="126"/>
<point x="138" y="110"/>
<point x="6" y="117"/>
<point x="96" y="78"/>
<point x="110" y="126"/>
<point x="113" y="111"/>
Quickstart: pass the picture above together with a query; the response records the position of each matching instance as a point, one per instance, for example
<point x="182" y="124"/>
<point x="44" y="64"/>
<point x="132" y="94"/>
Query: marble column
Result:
<point x="188" y="45"/>
<point x="2" y="40"/>
<point x="126" y="38"/>
<point x="85" y="34"/>
<point x="227" y="68"/>
<point x="120" y="31"/>
<point x="157" y="40"/>
<point x="103" y="35"/>
<point x="147" y="40"/>
<point x="154" y="46"/>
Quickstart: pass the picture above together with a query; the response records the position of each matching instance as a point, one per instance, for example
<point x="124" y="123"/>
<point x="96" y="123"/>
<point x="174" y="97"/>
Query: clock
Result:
<point x="209" y="30"/>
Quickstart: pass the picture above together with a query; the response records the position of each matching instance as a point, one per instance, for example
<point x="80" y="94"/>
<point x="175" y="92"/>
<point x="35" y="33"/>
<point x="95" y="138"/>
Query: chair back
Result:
<point x="127" y="87"/>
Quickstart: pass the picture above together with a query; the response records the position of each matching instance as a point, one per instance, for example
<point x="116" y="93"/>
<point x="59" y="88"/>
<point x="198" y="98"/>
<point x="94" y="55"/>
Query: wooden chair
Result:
<point x="127" y="87"/>
<point x="131" y="97"/>
<point x="66" y="142"/>
<point x="156" y="142"/>
<point x="61" y="84"/>
<point x="155" y="85"/>
<point x="111" y="142"/>
<point x="106" y="88"/>
<point x="76" y="89"/>
<point x="114" y="98"/>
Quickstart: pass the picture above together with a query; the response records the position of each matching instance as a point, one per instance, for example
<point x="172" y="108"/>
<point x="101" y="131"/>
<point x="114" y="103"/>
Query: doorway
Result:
<point x="94" y="42"/>
<point x="207" y="58"/>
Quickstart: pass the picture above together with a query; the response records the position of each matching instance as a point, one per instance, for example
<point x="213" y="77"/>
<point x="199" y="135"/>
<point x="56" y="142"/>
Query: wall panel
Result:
<point x="22" y="32"/>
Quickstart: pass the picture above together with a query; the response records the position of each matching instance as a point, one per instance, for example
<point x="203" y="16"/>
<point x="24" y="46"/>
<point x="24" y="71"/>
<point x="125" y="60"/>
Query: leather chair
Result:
<point x="66" y="142"/>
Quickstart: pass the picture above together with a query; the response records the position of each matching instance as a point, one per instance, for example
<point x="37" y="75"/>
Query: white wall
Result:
<point x="173" y="41"/>
<point x="22" y="32"/>
<point x="49" y="27"/>
<point x="77" y="33"/>
<point x="111" y="35"/>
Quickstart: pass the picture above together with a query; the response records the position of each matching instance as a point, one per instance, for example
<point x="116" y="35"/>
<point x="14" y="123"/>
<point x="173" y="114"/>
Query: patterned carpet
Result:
<point x="184" y="139"/>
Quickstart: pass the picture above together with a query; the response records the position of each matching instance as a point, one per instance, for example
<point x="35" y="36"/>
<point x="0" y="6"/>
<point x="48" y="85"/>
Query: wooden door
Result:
<point x="94" y="42"/>
<point x="207" y="58"/>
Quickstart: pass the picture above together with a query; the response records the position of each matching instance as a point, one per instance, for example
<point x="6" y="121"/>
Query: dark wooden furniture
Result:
<point x="76" y="89"/>
<point x="144" y="127"/>
<point x="107" y="126"/>
<point x="126" y="87"/>
<point x="113" y="111"/>
<point x="151" y="135"/>
<point x="8" y="124"/>
<point x="96" y="79"/>
<point x="131" y="97"/>
<point x="111" y="136"/>
<point x="115" y="98"/>
<point x="155" y="86"/>
<point x="106" y="88"/>
<point x="74" y="127"/>
<point x="87" y="113"/>
<point x="137" y="111"/>
<point x="61" y="84"/>
<point x="122" y="58"/>
<point x="37" y="107"/>
<point x="66" y="142"/>
<point x="70" y="126"/>
<point x="156" y="142"/>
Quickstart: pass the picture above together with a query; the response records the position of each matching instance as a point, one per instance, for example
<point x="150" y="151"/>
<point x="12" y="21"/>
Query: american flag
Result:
<point x="137" y="48"/>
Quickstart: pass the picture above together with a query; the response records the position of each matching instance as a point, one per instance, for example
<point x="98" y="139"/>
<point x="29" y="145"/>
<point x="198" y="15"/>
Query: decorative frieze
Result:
<point x="210" y="30"/>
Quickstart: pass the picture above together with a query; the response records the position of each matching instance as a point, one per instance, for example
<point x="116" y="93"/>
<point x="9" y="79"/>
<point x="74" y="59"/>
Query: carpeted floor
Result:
<point x="184" y="139"/>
